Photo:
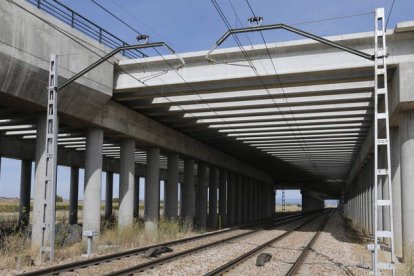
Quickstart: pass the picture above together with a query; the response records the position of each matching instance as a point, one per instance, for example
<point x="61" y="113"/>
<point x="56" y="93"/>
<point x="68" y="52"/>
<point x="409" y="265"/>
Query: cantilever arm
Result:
<point x="293" y="30"/>
<point x="114" y="52"/>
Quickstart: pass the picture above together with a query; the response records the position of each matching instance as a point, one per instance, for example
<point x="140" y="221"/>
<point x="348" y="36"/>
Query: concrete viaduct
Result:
<point x="242" y="129"/>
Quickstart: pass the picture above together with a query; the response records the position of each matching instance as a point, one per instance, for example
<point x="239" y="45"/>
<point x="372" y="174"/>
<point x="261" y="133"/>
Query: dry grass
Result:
<point x="16" y="252"/>
<point x="114" y="239"/>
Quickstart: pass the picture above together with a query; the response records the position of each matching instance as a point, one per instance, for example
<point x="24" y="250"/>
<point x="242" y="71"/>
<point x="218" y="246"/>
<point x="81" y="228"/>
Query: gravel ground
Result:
<point x="284" y="253"/>
<point x="336" y="253"/>
<point x="207" y="260"/>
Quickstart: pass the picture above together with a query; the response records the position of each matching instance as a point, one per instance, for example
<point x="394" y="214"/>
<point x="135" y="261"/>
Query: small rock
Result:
<point x="263" y="258"/>
<point x="155" y="252"/>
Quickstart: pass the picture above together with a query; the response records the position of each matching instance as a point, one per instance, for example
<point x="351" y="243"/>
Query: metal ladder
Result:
<point x="49" y="195"/>
<point x="382" y="150"/>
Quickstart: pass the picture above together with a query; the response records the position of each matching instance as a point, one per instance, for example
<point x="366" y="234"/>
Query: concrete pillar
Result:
<point x="396" y="189"/>
<point x="93" y="177"/>
<point x="201" y="202"/>
<point x="171" y="188"/>
<point x="39" y="185"/>
<point x="136" y="197"/>
<point x="243" y="201"/>
<point x="109" y="194"/>
<point x="152" y="189"/>
<point x="255" y="201"/>
<point x="223" y="198"/>
<point x="251" y="200"/>
<point x="237" y="199"/>
<point x="231" y="199"/>
<point x="212" y="199"/>
<point x="406" y="131"/>
<point x="73" y="195"/>
<point x="25" y="185"/>
<point x="188" y="191"/>
<point x="126" y="184"/>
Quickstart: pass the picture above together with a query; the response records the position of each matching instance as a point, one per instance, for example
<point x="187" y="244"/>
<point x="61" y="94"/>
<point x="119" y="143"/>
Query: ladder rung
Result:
<point x="382" y="115"/>
<point x="382" y="172"/>
<point x="382" y="141"/>
<point x="380" y="33"/>
<point x="383" y="202"/>
<point x="384" y="234"/>
<point x="380" y="71"/>
<point x="381" y="265"/>
<point x="381" y="91"/>
<point x="380" y="53"/>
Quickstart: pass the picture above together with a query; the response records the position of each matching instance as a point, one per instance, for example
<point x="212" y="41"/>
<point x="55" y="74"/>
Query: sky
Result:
<point x="193" y="25"/>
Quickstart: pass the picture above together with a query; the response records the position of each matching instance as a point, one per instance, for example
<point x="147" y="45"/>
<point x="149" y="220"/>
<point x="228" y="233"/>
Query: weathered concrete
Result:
<point x="152" y="190"/>
<point x="396" y="189"/>
<point x="126" y="184"/>
<point x="73" y="195"/>
<point x="171" y="187"/>
<point x="223" y="186"/>
<point x="188" y="191"/>
<point x="25" y="187"/>
<point x="201" y="199"/>
<point x="39" y="183"/>
<point x="406" y="131"/>
<point x="93" y="176"/>
<point x="109" y="194"/>
<point x="212" y="198"/>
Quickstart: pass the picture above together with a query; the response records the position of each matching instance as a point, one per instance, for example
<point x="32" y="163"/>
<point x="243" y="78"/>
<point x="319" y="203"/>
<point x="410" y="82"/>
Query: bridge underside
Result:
<point x="295" y="114"/>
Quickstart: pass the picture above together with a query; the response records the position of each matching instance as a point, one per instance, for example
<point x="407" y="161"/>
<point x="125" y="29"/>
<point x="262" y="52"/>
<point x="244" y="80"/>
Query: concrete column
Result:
<point x="73" y="195"/>
<point x="188" y="191"/>
<point x="109" y="194"/>
<point x="201" y="203"/>
<point x="396" y="189"/>
<point x="93" y="177"/>
<point x="39" y="185"/>
<point x="223" y="197"/>
<point x="152" y="189"/>
<point x="406" y="131"/>
<point x="237" y="199"/>
<point x="255" y="201"/>
<point x="243" y="201"/>
<point x="25" y="185"/>
<point x="212" y="199"/>
<point x="126" y="184"/>
<point x="171" y="187"/>
<point x="230" y="199"/>
<point x="136" y="197"/>
<point x="251" y="200"/>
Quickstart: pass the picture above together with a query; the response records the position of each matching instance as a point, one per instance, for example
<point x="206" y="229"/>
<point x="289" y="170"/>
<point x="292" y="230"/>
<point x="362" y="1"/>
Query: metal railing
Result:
<point x="84" y="25"/>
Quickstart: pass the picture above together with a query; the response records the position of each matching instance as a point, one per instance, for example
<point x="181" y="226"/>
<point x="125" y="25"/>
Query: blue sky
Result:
<point x="191" y="25"/>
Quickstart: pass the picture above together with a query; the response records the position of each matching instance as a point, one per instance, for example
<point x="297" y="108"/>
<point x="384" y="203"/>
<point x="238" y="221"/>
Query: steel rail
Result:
<point x="124" y="254"/>
<point x="299" y="261"/>
<point x="151" y="264"/>
<point x="233" y="263"/>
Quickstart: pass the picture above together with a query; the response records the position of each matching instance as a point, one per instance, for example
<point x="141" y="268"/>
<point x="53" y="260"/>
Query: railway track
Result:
<point x="70" y="267"/>
<point x="173" y="257"/>
<point x="231" y="265"/>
